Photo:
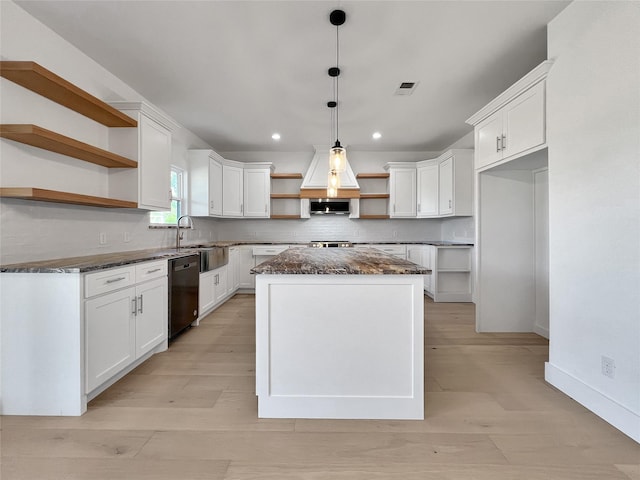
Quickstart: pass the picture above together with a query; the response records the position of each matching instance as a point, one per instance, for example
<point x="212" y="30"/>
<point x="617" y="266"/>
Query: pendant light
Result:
<point x="337" y="154"/>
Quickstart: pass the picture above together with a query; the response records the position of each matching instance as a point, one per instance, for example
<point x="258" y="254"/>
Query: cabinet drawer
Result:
<point x="398" y="250"/>
<point x="269" y="250"/>
<point x="108" y="281"/>
<point x="149" y="270"/>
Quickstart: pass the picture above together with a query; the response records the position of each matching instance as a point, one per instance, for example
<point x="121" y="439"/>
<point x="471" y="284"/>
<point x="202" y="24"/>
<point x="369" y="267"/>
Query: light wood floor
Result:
<point x="190" y="413"/>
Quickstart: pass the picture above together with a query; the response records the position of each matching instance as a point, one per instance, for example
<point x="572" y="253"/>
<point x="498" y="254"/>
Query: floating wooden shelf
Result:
<point x="39" y="194"/>
<point x="374" y="217"/>
<point x="286" y="217"/>
<point x="364" y="196"/>
<point x="283" y="176"/>
<point x="54" y="142"/>
<point x="322" y="193"/>
<point x="372" y="175"/>
<point x="285" y="195"/>
<point x="40" y="80"/>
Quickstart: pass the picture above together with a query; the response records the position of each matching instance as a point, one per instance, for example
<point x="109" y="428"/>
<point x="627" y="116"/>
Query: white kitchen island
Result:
<point x="339" y="334"/>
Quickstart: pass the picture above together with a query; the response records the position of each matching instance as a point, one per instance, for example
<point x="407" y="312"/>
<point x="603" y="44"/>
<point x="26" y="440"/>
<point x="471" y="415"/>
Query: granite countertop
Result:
<point x="338" y="261"/>
<point x="96" y="262"/>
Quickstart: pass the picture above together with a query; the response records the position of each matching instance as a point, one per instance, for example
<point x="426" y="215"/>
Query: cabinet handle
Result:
<point x="497" y="144"/>
<point x="449" y="203"/>
<point x="134" y="300"/>
<point x="394" y="208"/>
<point x="169" y="194"/>
<point x="140" y="306"/>
<point x="265" y="208"/>
<point x="241" y="208"/>
<point x="154" y="270"/>
<point x="419" y="208"/>
<point x="212" y="204"/>
<point x="114" y="280"/>
<point x="503" y="144"/>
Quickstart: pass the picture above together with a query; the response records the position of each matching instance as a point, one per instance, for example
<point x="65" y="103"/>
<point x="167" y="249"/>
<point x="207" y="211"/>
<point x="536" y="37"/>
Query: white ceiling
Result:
<point x="234" y="72"/>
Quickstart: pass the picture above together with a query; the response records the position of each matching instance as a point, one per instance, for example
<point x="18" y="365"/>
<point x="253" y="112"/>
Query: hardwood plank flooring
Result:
<point x="190" y="414"/>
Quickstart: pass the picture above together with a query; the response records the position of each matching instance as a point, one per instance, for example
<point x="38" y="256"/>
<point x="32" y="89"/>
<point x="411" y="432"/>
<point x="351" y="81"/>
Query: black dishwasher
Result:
<point x="184" y="276"/>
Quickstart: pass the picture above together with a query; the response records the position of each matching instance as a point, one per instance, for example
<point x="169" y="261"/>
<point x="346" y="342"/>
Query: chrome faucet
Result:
<point x="179" y="234"/>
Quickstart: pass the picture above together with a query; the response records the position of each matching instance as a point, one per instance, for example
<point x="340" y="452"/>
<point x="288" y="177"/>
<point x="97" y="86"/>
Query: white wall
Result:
<point x="593" y="99"/>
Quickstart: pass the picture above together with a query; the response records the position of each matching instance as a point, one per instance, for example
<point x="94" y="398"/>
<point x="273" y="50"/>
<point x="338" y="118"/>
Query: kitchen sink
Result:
<point x="213" y="257"/>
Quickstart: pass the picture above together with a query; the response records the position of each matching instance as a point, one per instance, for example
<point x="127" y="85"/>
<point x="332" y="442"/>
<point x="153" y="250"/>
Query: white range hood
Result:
<point x="315" y="179"/>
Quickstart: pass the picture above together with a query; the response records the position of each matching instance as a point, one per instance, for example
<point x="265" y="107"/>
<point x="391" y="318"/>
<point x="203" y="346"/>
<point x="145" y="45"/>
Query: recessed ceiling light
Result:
<point x="376" y="135"/>
<point x="276" y="136"/>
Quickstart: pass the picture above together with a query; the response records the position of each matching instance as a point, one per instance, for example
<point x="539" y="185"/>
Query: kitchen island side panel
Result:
<point x="339" y="346"/>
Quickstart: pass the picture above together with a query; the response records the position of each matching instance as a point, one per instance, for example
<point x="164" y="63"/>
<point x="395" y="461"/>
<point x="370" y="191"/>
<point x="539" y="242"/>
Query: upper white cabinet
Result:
<point x="402" y="189"/>
<point x="257" y="192"/>
<point x="427" y="188"/>
<point x="455" y="183"/>
<point x="150" y="145"/>
<point x="513" y="124"/>
<point x="232" y="190"/>
<point x="205" y="181"/>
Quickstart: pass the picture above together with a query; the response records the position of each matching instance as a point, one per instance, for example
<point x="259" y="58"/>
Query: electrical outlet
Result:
<point x="127" y="237"/>
<point x="103" y="238"/>
<point x="608" y="367"/>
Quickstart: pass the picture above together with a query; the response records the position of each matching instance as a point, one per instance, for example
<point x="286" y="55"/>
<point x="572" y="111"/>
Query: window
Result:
<point x="177" y="192"/>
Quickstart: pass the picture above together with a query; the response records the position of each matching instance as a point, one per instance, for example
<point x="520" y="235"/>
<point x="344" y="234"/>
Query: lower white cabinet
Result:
<point x="213" y="289"/>
<point x="397" y="250"/>
<point x="125" y="324"/>
<point x="246" y="261"/>
<point x="451" y="278"/>
<point x="233" y="269"/>
<point x="220" y="283"/>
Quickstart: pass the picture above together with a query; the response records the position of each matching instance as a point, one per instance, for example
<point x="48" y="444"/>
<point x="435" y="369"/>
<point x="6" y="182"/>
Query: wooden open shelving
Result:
<point x="374" y="217"/>
<point x="54" y="142"/>
<point x="285" y="195"/>
<point x="286" y="217"/>
<point x="364" y="196"/>
<point x="373" y="175"/>
<point x="40" y="80"/>
<point x="43" y="195"/>
<point x="284" y="176"/>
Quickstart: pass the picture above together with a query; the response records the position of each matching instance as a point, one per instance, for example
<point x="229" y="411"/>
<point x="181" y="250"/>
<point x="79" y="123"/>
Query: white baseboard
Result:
<point x="619" y="416"/>
<point x="543" y="332"/>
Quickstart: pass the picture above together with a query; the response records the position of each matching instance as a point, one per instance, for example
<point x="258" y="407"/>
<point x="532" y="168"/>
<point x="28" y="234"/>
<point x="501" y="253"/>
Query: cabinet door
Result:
<point x="246" y="263"/>
<point x="428" y="191"/>
<point x="488" y="140"/>
<point x="233" y="269"/>
<point x="257" y="189"/>
<point x="232" y="191"/>
<point x="154" y="168"/>
<point x="152" y="315"/>
<point x="206" y="292"/>
<point x="215" y="188"/>
<point x="109" y="335"/>
<point x="445" y="195"/>
<point x="220" y="284"/>
<point x="524" y="121"/>
<point x="402" y="193"/>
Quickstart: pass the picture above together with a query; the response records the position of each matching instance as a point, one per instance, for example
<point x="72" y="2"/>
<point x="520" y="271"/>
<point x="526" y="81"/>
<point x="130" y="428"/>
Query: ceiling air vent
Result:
<point x="406" y="88"/>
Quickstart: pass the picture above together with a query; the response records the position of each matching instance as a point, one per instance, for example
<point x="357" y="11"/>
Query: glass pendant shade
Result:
<point x="338" y="158"/>
<point x="333" y="184"/>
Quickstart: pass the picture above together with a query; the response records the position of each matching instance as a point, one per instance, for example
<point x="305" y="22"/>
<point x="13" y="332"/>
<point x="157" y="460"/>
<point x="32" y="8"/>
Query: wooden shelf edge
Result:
<point x="374" y="217"/>
<point x="54" y="142"/>
<point x="364" y="196"/>
<point x="43" y="195"/>
<point x="283" y="176"/>
<point x="285" y="195"/>
<point x="46" y="83"/>
<point x="286" y="217"/>
<point x="322" y="193"/>
<point x="372" y="175"/>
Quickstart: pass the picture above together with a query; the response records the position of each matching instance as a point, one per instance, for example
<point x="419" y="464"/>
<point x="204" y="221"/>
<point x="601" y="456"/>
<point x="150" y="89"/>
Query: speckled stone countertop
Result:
<point x="338" y="261"/>
<point x="96" y="262"/>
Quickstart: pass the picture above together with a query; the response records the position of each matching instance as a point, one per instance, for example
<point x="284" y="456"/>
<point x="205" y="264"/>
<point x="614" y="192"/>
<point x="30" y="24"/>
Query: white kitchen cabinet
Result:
<point x="427" y="188"/>
<point x="514" y="123"/>
<point x="110" y="335"/>
<point x="220" y="284"/>
<point x="246" y="261"/>
<point x="205" y="183"/>
<point x="206" y="293"/>
<point x="150" y="145"/>
<point x="257" y="192"/>
<point x="397" y="250"/>
<point x="428" y="256"/>
<point x="455" y="183"/>
<point x="451" y="280"/>
<point x="233" y="270"/>
<point x="232" y="190"/>
<point x="402" y="189"/>
<point x="421" y="255"/>
<point x="125" y="323"/>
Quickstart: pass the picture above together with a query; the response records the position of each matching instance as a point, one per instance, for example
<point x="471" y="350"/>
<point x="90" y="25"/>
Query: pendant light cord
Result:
<point x="336" y="84"/>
